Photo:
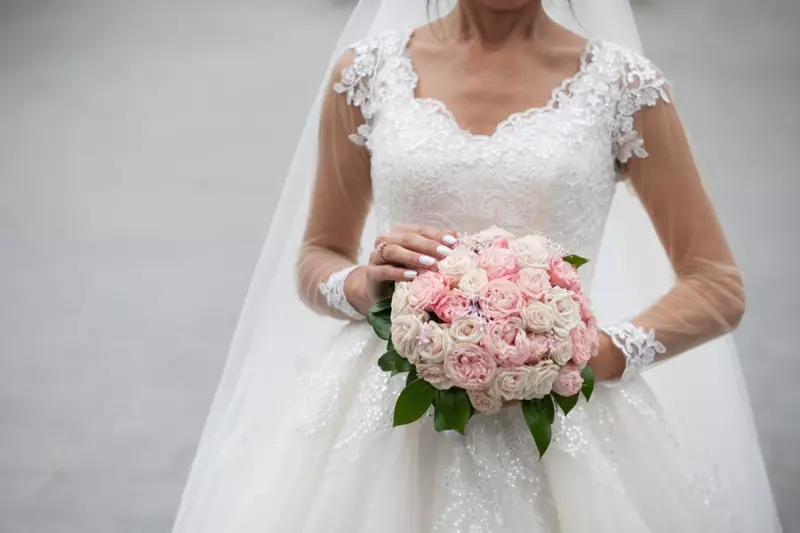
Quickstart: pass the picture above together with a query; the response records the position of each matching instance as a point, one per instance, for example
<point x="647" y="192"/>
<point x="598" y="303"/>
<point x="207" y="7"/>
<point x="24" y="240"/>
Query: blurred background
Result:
<point x="143" y="146"/>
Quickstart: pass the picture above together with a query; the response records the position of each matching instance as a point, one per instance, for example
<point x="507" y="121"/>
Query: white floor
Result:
<point x="142" y="148"/>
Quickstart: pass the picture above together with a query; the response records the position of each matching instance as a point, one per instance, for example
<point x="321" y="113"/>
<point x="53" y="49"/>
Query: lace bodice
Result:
<point x="550" y="170"/>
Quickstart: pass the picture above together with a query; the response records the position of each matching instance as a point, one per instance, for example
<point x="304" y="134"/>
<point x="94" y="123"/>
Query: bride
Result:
<point x="499" y="112"/>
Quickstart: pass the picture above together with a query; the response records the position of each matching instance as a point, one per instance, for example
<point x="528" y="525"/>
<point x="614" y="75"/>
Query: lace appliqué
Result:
<point x="638" y="347"/>
<point x="333" y="290"/>
<point x="642" y="85"/>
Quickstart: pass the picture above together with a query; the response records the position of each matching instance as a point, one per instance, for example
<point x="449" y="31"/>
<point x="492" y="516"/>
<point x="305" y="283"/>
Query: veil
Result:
<point x="254" y="387"/>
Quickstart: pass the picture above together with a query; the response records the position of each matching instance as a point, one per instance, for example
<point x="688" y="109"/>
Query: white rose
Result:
<point x="561" y="352"/>
<point x="434" y="343"/>
<point x="538" y="317"/>
<point x="405" y="333"/>
<point x="402" y="291"/>
<point x="473" y="281"/>
<point x="454" y="266"/>
<point x="541" y="379"/>
<point x="434" y="374"/>
<point x="511" y="383"/>
<point x="493" y="233"/>
<point x="485" y="402"/>
<point x="531" y="251"/>
<point x="466" y="329"/>
<point x="566" y="311"/>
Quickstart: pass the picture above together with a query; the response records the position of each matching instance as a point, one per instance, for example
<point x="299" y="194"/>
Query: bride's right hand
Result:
<point x="399" y="256"/>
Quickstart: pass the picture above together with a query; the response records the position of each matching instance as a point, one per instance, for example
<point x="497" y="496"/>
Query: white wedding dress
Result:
<point x="331" y="462"/>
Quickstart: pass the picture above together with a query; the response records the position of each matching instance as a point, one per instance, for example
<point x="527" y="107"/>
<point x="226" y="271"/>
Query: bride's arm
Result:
<point x="340" y="201"/>
<point x="707" y="299"/>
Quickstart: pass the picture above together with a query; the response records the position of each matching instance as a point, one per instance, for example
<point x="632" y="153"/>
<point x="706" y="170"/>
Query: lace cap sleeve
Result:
<point x="356" y="83"/>
<point x="641" y="85"/>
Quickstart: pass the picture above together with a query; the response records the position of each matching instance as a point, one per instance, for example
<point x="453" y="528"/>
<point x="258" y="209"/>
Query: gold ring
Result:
<point x="380" y="249"/>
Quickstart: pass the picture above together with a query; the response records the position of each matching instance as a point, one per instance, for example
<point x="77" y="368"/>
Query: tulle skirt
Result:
<point x="332" y="462"/>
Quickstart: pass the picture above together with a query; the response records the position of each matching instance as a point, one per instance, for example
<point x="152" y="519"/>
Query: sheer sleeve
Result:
<point x="341" y="196"/>
<point x="707" y="298"/>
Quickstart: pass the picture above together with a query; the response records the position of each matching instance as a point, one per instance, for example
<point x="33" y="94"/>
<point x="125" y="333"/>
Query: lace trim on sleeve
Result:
<point x="333" y="290"/>
<point x="642" y="85"/>
<point x="356" y="84"/>
<point x="638" y="347"/>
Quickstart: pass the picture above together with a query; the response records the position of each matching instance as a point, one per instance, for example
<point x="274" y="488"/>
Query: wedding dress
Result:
<point x="321" y="454"/>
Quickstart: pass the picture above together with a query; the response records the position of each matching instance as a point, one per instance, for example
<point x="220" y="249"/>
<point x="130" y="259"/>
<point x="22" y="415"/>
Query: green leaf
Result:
<point x="381" y="323"/>
<point x="390" y="345"/>
<point x="439" y="421"/>
<point x="567" y="403"/>
<point x="575" y="260"/>
<point x="393" y="362"/>
<point x="412" y="375"/>
<point x="388" y="361"/>
<point x="549" y="408"/>
<point x="588" y="381"/>
<point x="455" y="408"/>
<point x="380" y="307"/>
<point x="413" y="402"/>
<point x="537" y="419"/>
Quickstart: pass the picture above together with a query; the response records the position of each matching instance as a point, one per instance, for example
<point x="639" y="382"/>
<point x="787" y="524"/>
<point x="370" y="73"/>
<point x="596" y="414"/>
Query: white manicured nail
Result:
<point x="449" y="239"/>
<point x="443" y="250"/>
<point x="409" y="274"/>
<point x="427" y="260"/>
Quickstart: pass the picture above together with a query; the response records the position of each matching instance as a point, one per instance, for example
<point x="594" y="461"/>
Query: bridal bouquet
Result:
<point x="501" y="320"/>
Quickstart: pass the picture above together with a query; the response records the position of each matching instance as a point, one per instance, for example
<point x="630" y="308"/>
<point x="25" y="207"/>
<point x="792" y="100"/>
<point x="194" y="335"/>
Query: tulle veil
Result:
<point x="632" y="271"/>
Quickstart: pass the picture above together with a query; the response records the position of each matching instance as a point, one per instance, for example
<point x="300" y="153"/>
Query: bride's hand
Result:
<point x="609" y="362"/>
<point x="399" y="256"/>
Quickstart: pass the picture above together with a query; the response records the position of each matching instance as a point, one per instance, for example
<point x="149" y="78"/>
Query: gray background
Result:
<point x="142" y="148"/>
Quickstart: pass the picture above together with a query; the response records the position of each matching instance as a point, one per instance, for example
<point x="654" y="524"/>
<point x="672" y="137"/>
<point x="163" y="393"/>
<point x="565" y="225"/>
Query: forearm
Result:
<point x="328" y="280"/>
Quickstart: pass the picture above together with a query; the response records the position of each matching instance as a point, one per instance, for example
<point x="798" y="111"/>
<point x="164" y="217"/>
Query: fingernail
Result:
<point x="449" y="239"/>
<point x="443" y="250"/>
<point x="427" y="260"/>
<point x="409" y="274"/>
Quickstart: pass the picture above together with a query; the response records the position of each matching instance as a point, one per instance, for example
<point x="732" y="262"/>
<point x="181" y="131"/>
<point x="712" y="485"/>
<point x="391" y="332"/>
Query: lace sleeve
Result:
<point x="342" y="192"/>
<point x="641" y="85"/>
<point x="707" y="298"/>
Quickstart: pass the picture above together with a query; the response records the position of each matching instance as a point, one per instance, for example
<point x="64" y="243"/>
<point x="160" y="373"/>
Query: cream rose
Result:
<point x="466" y="329"/>
<point x="434" y="374"/>
<point x="456" y="265"/>
<point x="501" y="298"/>
<point x="473" y="282"/>
<point x="540" y="380"/>
<point x="470" y="367"/>
<point x="402" y="292"/>
<point x="538" y="317"/>
<point x="531" y="250"/>
<point x="561" y="351"/>
<point x="405" y="334"/>
<point x="566" y="312"/>
<point x="485" y="403"/>
<point x="434" y="343"/>
<point x="511" y="383"/>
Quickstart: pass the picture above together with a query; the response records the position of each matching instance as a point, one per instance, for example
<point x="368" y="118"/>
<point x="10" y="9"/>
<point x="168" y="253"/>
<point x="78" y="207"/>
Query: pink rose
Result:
<point x="426" y="289"/>
<point x="499" y="242"/>
<point x="564" y="275"/>
<point x="451" y="305"/>
<point x="434" y="374"/>
<point x="470" y="367"/>
<point x="539" y="348"/>
<point x="498" y="263"/>
<point x="569" y="381"/>
<point x="507" y="342"/>
<point x="501" y="298"/>
<point x="585" y="306"/>
<point x="581" y="350"/>
<point x="534" y="282"/>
